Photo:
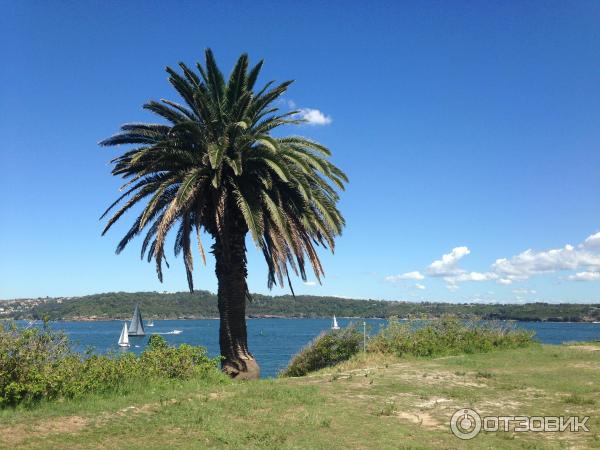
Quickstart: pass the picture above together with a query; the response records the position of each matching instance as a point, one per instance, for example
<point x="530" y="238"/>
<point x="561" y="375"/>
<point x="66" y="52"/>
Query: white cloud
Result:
<point x="506" y="271"/>
<point x="447" y="266"/>
<point x="310" y="283"/>
<point x="530" y="263"/>
<point x="420" y="286"/>
<point x="286" y="102"/>
<point x="470" y="276"/>
<point x="585" y="276"/>
<point x="592" y="241"/>
<point x="522" y="291"/>
<point x="416" y="275"/>
<point x="314" y="116"/>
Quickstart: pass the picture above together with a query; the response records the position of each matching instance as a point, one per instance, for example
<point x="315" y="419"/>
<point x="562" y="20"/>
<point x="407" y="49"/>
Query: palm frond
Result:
<point x="214" y="167"/>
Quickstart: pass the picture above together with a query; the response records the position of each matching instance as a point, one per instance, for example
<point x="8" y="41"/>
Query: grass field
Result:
<point x="368" y="402"/>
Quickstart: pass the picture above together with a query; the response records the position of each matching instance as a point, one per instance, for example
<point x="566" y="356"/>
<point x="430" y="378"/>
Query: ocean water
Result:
<point x="272" y="341"/>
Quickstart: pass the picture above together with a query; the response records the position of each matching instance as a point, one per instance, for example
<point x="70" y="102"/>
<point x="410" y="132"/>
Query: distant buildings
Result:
<point x="19" y="307"/>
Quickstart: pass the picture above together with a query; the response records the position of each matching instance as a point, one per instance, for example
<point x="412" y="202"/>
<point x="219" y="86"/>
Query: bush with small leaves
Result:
<point x="328" y="349"/>
<point x="38" y="364"/>
<point x="446" y="336"/>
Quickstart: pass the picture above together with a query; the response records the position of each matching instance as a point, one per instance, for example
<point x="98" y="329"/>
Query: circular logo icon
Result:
<point x="465" y="424"/>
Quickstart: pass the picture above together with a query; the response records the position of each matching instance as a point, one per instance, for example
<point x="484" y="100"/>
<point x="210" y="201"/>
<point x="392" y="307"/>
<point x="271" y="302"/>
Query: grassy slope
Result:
<point x="365" y="403"/>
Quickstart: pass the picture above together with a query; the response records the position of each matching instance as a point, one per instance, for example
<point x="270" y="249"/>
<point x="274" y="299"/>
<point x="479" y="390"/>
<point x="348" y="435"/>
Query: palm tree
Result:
<point x="216" y="167"/>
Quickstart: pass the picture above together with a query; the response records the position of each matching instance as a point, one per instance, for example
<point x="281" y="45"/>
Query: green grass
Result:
<point x="370" y="401"/>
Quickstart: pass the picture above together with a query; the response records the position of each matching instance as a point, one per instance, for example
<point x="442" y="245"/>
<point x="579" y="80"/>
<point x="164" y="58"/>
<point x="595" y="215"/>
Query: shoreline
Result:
<point x="272" y="316"/>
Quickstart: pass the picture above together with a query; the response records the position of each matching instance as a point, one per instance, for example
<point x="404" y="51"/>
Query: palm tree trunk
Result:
<point x="230" y="257"/>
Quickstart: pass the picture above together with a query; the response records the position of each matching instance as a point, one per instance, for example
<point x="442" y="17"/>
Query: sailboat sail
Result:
<point x="335" y="325"/>
<point x="137" y="325"/>
<point x="124" y="338"/>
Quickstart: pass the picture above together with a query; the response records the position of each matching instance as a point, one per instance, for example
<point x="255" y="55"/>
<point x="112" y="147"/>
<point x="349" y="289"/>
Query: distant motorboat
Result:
<point x="136" y="328"/>
<point x="150" y="323"/>
<point x="177" y="331"/>
<point x="124" y="338"/>
<point x="335" y="325"/>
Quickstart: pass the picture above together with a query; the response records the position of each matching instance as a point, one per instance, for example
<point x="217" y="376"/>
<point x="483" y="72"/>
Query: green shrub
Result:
<point x="446" y="336"/>
<point x="326" y="350"/>
<point x="39" y="364"/>
<point x="163" y="361"/>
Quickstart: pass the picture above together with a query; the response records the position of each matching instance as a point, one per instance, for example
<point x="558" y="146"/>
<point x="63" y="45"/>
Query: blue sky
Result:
<point x="468" y="129"/>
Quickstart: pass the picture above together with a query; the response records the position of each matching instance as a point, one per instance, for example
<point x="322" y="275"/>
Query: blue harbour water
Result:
<point x="272" y="341"/>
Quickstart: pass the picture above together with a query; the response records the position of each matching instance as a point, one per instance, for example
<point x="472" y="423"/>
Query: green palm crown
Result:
<point x="216" y="167"/>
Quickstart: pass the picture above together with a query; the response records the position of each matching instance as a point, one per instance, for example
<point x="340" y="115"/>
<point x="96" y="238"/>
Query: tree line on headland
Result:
<point x="203" y="304"/>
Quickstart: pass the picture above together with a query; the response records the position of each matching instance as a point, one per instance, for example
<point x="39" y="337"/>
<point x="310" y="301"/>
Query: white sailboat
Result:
<point x="124" y="338"/>
<point x="150" y="323"/>
<point x="335" y="325"/>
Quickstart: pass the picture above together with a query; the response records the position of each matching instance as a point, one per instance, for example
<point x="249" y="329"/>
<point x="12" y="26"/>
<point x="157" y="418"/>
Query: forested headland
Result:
<point x="203" y="304"/>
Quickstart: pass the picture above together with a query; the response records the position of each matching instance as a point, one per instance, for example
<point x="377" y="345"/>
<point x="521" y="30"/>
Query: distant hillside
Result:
<point x="203" y="304"/>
